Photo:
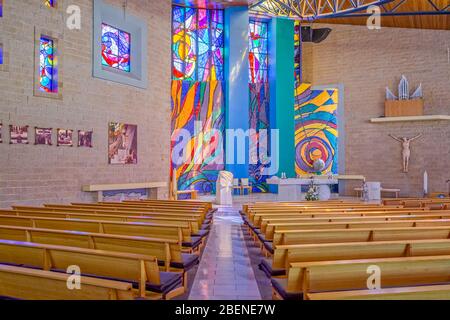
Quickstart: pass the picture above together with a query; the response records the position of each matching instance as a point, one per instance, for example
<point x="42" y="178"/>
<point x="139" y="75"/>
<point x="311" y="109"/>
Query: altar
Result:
<point x="291" y="189"/>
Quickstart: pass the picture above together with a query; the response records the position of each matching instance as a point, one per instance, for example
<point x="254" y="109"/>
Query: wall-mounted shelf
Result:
<point x="412" y="118"/>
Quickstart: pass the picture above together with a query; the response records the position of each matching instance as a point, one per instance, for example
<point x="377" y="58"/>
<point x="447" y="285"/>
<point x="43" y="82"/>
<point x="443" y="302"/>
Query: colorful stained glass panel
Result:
<point x="258" y="51"/>
<point x="1" y="8"/>
<point x="1" y="54"/>
<point x="115" y="48"/>
<point x="49" y="3"/>
<point x="197" y="47"/>
<point x="47" y="68"/>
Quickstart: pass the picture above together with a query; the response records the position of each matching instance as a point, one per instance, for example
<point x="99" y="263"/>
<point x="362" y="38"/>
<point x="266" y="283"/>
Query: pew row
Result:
<point x="139" y="270"/>
<point x="342" y="275"/>
<point x="31" y="284"/>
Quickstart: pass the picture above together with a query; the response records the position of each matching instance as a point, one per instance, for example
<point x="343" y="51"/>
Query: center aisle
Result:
<point x="225" y="271"/>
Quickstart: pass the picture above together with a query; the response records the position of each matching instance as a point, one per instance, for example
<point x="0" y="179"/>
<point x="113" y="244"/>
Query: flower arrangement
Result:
<point x="313" y="192"/>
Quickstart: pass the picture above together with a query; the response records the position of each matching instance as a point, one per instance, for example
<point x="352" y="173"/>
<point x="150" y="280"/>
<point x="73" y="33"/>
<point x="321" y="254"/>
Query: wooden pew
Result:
<point x="162" y="231"/>
<point x="148" y="207"/>
<point x="268" y="225"/>
<point x="73" y="210"/>
<point x="30" y="284"/>
<point x="313" y="277"/>
<point x="166" y="251"/>
<point x="437" y="292"/>
<point x="286" y="254"/>
<point x="140" y="269"/>
<point x="185" y="222"/>
<point x="356" y="225"/>
<point x="359" y="235"/>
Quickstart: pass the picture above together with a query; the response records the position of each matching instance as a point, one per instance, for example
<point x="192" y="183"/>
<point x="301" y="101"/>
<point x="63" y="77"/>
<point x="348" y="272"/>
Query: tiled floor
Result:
<point x="225" y="271"/>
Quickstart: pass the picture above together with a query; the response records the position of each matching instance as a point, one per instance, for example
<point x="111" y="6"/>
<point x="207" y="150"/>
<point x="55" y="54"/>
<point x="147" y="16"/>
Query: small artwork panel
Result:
<point x="43" y="136"/>
<point x="122" y="143"/>
<point x="85" y="138"/>
<point x="125" y="195"/>
<point x="18" y="134"/>
<point x="65" y="137"/>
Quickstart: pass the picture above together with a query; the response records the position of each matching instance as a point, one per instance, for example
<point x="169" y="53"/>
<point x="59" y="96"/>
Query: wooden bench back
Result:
<point x="436" y="292"/>
<point x="112" y="227"/>
<point x="136" y="268"/>
<point x="285" y="254"/>
<point x="268" y="225"/>
<point x="358" y="225"/>
<point x="30" y="284"/>
<point x="150" y="208"/>
<point x="352" y="274"/>
<point x="163" y="249"/>
<point x="359" y="235"/>
<point x="184" y="222"/>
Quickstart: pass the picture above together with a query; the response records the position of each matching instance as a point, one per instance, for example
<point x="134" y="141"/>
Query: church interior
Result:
<point x="224" y="150"/>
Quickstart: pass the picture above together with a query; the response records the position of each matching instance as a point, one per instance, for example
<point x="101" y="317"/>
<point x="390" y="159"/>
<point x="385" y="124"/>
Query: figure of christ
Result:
<point x="406" y="149"/>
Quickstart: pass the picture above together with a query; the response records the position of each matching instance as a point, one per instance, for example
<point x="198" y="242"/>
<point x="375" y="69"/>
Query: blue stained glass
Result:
<point x="197" y="44"/>
<point x="115" y="48"/>
<point x="47" y="70"/>
<point x="1" y="54"/>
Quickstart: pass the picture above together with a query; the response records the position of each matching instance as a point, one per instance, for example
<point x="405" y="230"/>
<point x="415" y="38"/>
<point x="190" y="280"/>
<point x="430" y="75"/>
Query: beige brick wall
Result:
<point x="32" y="174"/>
<point x="366" y="62"/>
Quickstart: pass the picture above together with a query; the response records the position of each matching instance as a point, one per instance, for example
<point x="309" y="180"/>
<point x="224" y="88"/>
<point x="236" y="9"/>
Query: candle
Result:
<point x="425" y="183"/>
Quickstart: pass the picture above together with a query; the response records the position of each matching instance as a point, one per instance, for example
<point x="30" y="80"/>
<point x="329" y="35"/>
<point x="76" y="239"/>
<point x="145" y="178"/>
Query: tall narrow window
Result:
<point x="1" y="53"/>
<point x="50" y="3"/>
<point x="197" y="44"/>
<point x="116" y="46"/>
<point x="258" y="51"/>
<point x="47" y="70"/>
<point x="1" y="8"/>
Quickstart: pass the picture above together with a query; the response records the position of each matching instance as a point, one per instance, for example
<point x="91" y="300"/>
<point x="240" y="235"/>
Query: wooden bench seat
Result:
<point x="313" y="277"/>
<point x="286" y="254"/>
<point x="186" y="222"/>
<point x="359" y="235"/>
<point x="168" y="252"/>
<point x="272" y="229"/>
<point x="30" y="284"/>
<point x="269" y="226"/>
<point x="437" y="292"/>
<point x="141" y="270"/>
<point x="162" y="231"/>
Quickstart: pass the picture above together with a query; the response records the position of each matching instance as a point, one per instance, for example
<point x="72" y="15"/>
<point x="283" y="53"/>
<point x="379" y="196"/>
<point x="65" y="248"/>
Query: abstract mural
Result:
<point x="316" y="129"/>
<point x="198" y="108"/>
<point x="197" y="44"/>
<point x="115" y="48"/>
<point x="47" y="68"/>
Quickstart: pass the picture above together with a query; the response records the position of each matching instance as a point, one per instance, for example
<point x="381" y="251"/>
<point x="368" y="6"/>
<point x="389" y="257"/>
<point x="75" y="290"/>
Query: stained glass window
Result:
<point x="47" y="70"/>
<point x="258" y="51"/>
<point x="197" y="44"/>
<point x="1" y="53"/>
<point x="49" y="3"/>
<point x="1" y="8"/>
<point x="115" y="48"/>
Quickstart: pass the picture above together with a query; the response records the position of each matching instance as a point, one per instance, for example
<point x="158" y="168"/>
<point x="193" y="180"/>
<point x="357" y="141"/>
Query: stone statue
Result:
<point x="406" y="151"/>
<point x="223" y="188"/>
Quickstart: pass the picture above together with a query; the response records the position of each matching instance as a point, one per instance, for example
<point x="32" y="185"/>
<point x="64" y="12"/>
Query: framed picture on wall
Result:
<point x="85" y="138"/>
<point x="122" y="143"/>
<point x="18" y="134"/>
<point x="43" y="136"/>
<point x="64" y="138"/>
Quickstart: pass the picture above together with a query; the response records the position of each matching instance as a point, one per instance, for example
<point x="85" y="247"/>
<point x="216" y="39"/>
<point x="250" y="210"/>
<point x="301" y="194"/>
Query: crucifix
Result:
<point x="406" y="150"/>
